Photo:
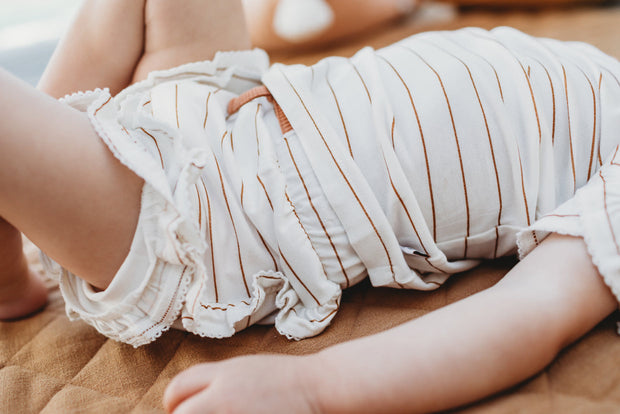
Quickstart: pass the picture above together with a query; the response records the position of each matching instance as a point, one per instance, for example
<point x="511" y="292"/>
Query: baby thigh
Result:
<point x="61" y="186"/>
<point x="193" y="30"/>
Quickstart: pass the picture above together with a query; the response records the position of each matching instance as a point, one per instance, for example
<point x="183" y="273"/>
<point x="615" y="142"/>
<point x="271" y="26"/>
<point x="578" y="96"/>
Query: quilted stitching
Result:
<point x="80" y="371"/>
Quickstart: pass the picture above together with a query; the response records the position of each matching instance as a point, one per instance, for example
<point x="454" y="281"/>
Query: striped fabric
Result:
<point x="406" y="165"/>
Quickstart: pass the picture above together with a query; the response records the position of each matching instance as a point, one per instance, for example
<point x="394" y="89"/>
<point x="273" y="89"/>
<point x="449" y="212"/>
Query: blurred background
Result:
<point x="29" y="31"/>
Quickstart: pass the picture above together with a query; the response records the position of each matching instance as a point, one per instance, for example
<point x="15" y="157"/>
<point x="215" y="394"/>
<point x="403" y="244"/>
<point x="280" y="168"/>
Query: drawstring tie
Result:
<point x="258" y="92"/>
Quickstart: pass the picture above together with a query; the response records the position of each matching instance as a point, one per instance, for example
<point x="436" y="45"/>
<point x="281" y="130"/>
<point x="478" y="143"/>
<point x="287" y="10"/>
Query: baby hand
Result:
<point x="251" y="384"/>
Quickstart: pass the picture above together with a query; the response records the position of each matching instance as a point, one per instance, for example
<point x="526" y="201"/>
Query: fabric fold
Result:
<point x="405" y="164"/>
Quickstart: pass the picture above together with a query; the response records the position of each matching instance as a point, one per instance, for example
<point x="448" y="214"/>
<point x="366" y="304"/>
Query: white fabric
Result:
<point x="408" y="164"/>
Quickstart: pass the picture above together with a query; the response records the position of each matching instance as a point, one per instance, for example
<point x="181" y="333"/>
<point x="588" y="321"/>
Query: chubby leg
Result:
<point x="113" y="43"/>
<point x="100" y="50"/>
<point x="178" y="32"/>
<point x="60" y="185"/>
<point x="449" y="357"/>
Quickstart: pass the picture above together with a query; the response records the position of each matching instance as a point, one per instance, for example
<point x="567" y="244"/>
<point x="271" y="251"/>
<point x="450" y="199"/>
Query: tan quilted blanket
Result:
<point x="51" y="365"/>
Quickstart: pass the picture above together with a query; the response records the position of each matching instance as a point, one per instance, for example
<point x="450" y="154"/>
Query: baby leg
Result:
<point x="21" y="291"/>
<point x="147" y="35"/>
<point x="100" y="50"/>
<point x="60" y="185"/>
<point x="189" y="31"/>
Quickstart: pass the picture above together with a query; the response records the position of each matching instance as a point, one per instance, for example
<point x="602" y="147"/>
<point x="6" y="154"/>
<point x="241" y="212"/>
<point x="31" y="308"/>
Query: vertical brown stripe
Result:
<point x="316" y="213"/>
<point x="499" y="84"/>
<point x="265" y="190"/>
<point x="392" y="133"/>
<point x="156" y="145"/>
<point x="570" y="135"/>
<point x="529" y="84"/>
<point x="409" y="218"/>
<point x="359" y="75"/>
<point x="552" y="99"/>
<point x="232" y="221"/>
<point x="168" y="309"/>
<point x="199" y="208"/>
<point x="298" y="278"/>
<point x="458" y="145"/>
<point x="527" y="209"/>
<point x="344" y="125"/>
<point x="342" y="174"/>
<point x="204" y="124"/>
<point x="273" y="259"/>
<point x="202" y="280"/>
<point x="593" y="125"/>
<point x="211" y="245"/>
<point x="303" y="228"/>
<point x="613" y="158"/>
<point x="102" y="105"/>
<point x="491" y="147"/>
<point x="256" y="128"/>
<point x="428" y="170"/>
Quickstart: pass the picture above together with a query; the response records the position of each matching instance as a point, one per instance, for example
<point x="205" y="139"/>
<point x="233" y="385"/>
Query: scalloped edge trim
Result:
<point x="71" y="97"/>
<point x="143" y="329"/>
<point x="289" y="321"/>
<point x="158" y="328"/>
<point x="251" y="64"/>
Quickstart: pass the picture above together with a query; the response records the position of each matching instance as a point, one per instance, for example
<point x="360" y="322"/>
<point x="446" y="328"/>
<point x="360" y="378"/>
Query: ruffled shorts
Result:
<point x="200" y="259"/>
<point x="148" y="293"/>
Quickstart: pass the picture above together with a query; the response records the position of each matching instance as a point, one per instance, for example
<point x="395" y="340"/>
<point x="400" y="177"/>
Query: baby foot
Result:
<point x="256" y="384"/>
<point x="22" y="296"/>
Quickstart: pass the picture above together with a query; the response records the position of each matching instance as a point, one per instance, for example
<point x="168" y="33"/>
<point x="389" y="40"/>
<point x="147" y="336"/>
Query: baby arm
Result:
<point x="455" y="355"/>
<point x="477" y="346"/>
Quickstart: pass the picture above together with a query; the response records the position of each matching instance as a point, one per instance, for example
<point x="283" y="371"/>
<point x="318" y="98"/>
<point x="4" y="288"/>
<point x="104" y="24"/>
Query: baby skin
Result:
<point x="21" y="291"/>
<point x="505" y="334"/>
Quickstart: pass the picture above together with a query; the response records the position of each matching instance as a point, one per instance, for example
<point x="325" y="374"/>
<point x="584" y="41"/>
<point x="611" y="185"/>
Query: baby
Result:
<point x="218" y="194"/>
